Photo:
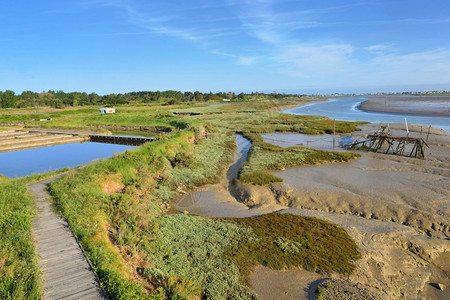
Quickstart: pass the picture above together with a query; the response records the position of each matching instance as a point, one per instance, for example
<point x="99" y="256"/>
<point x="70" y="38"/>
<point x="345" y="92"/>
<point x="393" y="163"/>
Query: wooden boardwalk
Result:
<point x="67" y="273"/>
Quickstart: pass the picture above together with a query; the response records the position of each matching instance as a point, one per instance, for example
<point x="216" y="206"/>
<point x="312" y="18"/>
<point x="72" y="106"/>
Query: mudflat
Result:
<point x="415" y="105"/>
<point x="396" y="208"/>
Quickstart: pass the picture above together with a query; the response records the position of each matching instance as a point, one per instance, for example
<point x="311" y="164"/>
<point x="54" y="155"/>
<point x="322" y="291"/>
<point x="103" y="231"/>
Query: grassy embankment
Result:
<point x="141" y="251"/>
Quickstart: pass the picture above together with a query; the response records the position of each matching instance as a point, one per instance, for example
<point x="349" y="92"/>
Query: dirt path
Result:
<point x="67" y="273"/>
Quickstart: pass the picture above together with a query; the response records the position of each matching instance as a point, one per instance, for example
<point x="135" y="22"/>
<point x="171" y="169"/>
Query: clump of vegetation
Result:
<point x="285" y="241"/>
<point x="259" y="177"/>
<point x="19" y="272"/>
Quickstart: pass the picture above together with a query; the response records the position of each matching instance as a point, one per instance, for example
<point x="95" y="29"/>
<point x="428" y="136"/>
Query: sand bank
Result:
<point x="415" y="105"/>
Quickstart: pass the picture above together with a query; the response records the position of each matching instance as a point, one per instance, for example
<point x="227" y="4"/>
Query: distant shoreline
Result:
<point x="414" y="105"/>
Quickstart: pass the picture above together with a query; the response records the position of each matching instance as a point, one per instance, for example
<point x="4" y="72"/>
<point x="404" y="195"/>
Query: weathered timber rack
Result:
<point x="120" y="139"/>
<point x="395" y="145"/>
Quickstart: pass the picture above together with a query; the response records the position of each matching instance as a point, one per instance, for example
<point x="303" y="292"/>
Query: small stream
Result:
<point x="217" y="200"/>
<point x="240" y="156"/>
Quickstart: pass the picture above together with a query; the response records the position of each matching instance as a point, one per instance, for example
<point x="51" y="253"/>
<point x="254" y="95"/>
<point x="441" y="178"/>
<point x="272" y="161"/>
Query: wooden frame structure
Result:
<point x="397" y="145"/>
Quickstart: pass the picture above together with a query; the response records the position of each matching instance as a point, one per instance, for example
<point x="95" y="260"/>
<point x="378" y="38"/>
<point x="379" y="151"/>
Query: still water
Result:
<point x="346" y="109"/>
<point x="45" y="159"/>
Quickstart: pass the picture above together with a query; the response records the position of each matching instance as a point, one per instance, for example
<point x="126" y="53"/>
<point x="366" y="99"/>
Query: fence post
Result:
<point x="334" y="131"/>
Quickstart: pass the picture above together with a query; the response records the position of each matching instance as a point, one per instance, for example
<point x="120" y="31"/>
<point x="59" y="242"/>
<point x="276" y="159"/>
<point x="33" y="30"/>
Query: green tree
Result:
<point x="8" y="99"/>
<point x="198" y="96"/>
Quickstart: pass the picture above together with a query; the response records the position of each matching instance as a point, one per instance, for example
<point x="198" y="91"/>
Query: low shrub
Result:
<point x="284" y="241"/>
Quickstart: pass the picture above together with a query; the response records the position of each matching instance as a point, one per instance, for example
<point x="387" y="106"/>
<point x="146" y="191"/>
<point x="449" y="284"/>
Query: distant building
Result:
<point x="107" y="110"/>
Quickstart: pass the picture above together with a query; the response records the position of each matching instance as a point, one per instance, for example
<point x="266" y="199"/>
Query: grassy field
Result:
<point x="120" y="208"/>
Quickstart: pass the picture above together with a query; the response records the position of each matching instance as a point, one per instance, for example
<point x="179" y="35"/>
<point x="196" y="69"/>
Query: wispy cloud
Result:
<point x="380" y="49"/>
<point x="313" y="61"/>
<point x="182" y="23"/>
<point x="337" y="65"/>
<point x="240" y="59"/>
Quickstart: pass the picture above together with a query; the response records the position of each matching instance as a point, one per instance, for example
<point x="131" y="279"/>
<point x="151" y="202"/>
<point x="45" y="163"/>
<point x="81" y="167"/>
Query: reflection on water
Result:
<point x="240" y="156"/>
<point x="44" y="159"/>
<point x="322" y="142"/>
<point x="345" y="109"/>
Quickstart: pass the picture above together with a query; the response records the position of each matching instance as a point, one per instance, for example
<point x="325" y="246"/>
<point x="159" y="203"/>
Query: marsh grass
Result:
<point x="219" y="254"/>
<point x="287" y="241"/>
<point x="259" y="177"/>
<point x="194" y="247"/>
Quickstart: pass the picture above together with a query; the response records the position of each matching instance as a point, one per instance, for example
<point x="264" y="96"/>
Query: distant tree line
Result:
<point x="60" y="99"/>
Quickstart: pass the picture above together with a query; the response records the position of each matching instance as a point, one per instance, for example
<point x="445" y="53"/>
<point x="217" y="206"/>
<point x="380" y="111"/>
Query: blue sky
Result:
<point x="117" y="46"/>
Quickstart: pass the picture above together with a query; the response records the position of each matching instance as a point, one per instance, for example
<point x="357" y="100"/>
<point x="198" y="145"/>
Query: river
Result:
<point x="346" y="109"/>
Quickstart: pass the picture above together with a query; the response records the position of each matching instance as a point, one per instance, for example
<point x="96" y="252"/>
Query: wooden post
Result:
<point x="429" y="128"/>
<point x="334" y="131"/>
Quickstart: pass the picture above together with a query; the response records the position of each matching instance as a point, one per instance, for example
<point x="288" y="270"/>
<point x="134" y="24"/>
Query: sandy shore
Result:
<point x="416" y="105"/>
<point x="397" y="209"/>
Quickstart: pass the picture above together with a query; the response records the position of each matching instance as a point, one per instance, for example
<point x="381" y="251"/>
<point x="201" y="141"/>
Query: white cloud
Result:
<point x="312" y="61"/>
<point x="240" y="60"/>
<point x="337" y="65"/>
<point x="380" y="49"/>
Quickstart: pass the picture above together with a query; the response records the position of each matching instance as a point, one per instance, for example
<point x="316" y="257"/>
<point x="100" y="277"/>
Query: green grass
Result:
<point x="286" y="241"/>
<point x="260" y="121"/>
<point x="194" y="247"/>
<point x="118" y="229"/>
<point x="19" y="272"/>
